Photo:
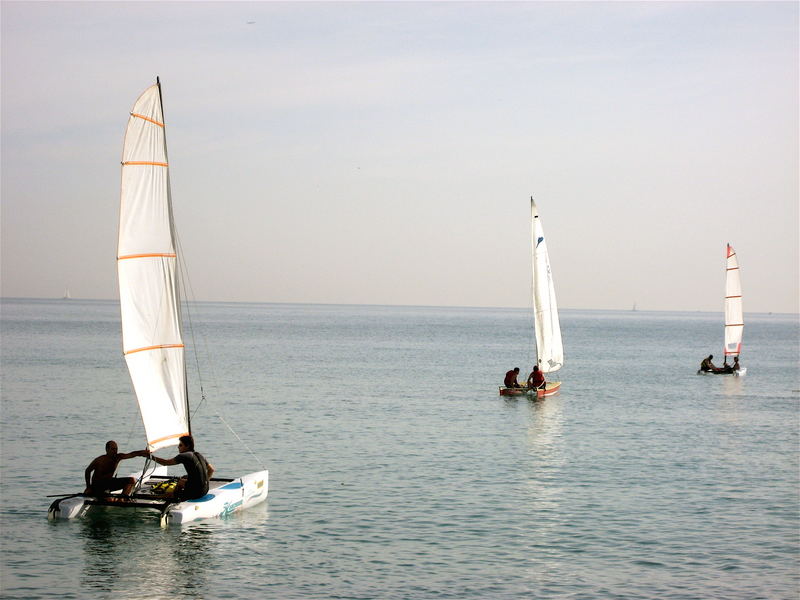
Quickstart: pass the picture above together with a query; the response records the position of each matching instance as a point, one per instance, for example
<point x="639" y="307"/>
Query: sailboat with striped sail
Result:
<point x="547" y="329"/>
<point x="734" y="317"/>
<point x="152" y="339"/>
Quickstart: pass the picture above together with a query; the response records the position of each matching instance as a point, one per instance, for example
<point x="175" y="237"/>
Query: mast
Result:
<point x="177" y="262"/>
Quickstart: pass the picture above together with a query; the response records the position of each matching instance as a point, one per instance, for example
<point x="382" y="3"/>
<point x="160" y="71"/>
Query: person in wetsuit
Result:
<point x="198" y="472"/>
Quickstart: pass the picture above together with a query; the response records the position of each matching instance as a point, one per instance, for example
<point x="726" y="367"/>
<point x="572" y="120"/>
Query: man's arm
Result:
<point x="210" y="469"/>
<point x="126" y="455"/>
<point x="87" y="474"/>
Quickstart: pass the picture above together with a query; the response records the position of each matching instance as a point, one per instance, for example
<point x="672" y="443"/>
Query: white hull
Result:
<point x="224" y="498"/>
<point x="227" y="499"/>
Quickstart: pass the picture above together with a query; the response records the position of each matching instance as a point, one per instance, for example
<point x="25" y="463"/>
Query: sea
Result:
<point x="397" y="471"/>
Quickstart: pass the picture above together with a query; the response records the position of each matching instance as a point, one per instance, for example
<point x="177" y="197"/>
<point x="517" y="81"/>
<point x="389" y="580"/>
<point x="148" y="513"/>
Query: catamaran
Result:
<point x="734" y="315"/>
<point x="549" y="349"/>
<point x="150" y="309"/>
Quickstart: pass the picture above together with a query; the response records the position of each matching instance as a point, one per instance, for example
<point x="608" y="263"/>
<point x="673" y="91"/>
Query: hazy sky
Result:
<point x="385" y="153"/>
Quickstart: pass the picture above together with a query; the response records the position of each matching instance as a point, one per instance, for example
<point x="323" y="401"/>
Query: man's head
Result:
<point x="516" y="369"/>
<point x="111" y="447"/>
<point x="186" y="443"/>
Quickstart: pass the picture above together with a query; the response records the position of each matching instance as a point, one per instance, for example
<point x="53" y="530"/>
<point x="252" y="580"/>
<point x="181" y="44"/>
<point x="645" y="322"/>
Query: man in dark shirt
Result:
<point x="511" y="378"/>
<point x="707" y="365"/>
<point x="198" y="471"/>
<point x="99" y="474"/>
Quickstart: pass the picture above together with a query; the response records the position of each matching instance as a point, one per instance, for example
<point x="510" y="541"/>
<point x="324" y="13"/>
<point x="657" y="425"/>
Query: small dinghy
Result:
<point x="547" y="330"/>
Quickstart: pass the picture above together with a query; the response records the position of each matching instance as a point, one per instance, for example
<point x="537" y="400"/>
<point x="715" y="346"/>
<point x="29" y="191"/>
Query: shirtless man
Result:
<point x="707" y="365"/>
<point x="102" y="480"/>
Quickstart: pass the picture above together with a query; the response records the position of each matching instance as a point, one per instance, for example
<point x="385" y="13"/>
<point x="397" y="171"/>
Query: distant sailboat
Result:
<point x="547" y="330"/>
<point x="66" y="295"/>
<point x="734" y="316"/>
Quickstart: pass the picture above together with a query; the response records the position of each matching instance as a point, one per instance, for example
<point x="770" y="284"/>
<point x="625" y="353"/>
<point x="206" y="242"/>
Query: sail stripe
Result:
<point x="154" y="255"/>
<point x="169" y="437"/>
<point x="154" y="348"/>
<point x="147" y="119"/>
<point x="735" y="325"/>
<point x="145" y="162"/>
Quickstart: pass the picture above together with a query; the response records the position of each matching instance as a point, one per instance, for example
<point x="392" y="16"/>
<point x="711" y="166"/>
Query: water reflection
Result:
<point x="546" y="460"/>
<point x="128" y="550"/>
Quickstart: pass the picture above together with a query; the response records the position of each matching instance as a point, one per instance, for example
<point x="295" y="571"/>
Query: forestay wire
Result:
<point x="187" y="286"/>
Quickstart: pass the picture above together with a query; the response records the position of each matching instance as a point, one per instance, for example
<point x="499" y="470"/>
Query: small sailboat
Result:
<point x="150" y="309"/>
<point x="549" y="349"/>
<point x="734" y="317"/>
<point x="66" y="295"/>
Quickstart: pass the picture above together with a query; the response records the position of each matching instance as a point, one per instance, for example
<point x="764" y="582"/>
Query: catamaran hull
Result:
<point x="551" y="388"/>
<point x="232" y="497"/>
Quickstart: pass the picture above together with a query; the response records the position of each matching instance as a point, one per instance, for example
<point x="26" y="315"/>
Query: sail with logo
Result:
<point x="546" y="326"/>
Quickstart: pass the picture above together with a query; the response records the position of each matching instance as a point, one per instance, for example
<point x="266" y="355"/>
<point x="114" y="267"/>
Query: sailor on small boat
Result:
<point x="198" y="471"/>
<point x="536" y="379"/>
<point x="510" y="380"/>
<point x="99" y="474"/>
<point x="726" y="368"/>
<point x="708" y="366"/>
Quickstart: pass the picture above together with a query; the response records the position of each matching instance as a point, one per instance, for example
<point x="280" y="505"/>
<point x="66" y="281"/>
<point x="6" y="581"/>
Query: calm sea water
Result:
<point x="396" y="470"/>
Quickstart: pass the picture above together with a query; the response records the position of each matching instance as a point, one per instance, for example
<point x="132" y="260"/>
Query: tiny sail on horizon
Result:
<point x="734" y="315"/>
<point x="148" y="282"/>
<point x="549" y="349"/>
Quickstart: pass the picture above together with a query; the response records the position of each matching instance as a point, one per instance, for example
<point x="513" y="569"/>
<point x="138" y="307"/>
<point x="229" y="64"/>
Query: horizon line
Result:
<point x="73" y="299"/>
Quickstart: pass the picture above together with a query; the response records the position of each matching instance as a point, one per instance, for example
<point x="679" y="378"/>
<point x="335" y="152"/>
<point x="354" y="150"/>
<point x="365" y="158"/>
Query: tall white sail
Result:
<point x="549" y="350"/>
<point x="147" y="269"/>
<point x="734" y="315"/>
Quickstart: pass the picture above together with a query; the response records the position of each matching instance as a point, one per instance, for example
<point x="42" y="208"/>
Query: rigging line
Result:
<point x="189" y="289"/>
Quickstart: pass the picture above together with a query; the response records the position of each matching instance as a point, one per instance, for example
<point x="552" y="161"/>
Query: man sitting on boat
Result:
<point x="708" y="366"/>
<point x="511" y="378"/>
<point x="726" y="368"/>
<point x="198" y="471"/>
<point x="536" y="379"/>
<point x="99" y="474"/>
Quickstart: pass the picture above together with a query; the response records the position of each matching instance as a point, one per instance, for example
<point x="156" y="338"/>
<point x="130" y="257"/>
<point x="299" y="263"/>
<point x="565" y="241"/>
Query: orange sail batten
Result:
<point x="137" y="115"/>
<point x="153" y="348"/>
<point x="153" y="255"/>
<point x="144" y="162"/>
<point x="169" y="437"/>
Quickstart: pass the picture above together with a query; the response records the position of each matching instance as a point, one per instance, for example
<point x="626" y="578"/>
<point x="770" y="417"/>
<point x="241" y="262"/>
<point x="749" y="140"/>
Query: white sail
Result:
<point x="549" y="350"/>
<point x="734" y="316"/>
<point x="147" y="269"/>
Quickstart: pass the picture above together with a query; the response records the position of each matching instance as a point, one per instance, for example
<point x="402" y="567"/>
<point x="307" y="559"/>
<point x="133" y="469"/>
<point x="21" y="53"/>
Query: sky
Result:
<point x="386" y="153"/>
